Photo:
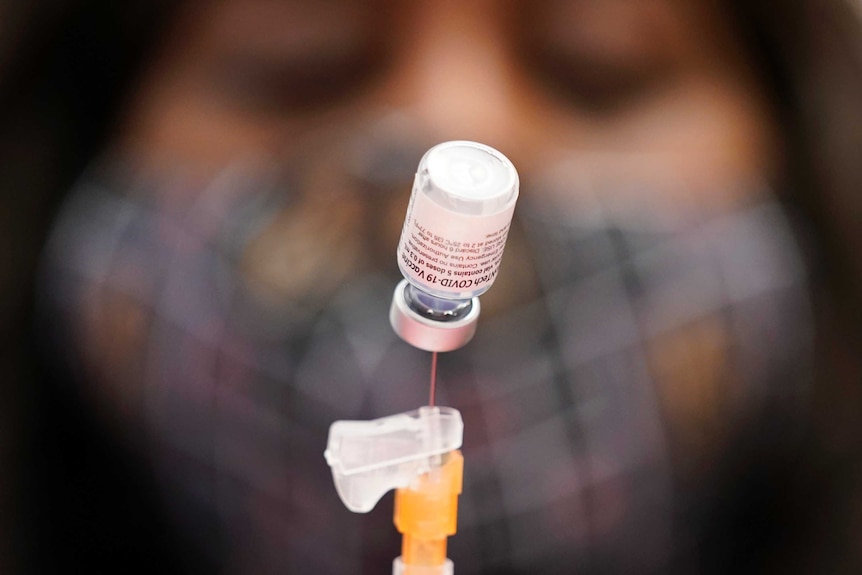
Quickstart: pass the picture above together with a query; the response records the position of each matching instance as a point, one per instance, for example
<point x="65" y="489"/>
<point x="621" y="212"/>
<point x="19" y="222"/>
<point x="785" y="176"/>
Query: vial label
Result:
<point x="449" y="254"/>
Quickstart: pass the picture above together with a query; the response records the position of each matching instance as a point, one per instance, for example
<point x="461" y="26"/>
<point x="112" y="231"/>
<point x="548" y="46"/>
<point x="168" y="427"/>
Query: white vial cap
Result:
<point x="469" y="177"/>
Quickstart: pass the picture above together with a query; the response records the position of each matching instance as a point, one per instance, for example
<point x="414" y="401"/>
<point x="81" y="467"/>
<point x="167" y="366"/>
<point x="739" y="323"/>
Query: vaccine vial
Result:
<point x="452" y="243"/>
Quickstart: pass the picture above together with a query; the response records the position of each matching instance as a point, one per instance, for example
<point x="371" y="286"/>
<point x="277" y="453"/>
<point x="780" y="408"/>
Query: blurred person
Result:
<point x="675" y="305"/>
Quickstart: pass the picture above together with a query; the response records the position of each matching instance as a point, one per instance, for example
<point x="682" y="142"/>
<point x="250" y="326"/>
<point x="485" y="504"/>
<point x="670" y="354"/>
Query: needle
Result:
<point x="433" y="379"/>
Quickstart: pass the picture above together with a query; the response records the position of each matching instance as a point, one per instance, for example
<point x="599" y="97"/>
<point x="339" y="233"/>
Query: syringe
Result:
<point x="450" y="250"/>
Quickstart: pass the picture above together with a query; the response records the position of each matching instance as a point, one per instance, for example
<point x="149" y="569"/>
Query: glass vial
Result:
<point x="452" y="242"/>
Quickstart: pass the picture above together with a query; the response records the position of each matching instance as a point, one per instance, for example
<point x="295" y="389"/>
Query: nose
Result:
<point x="454" y="72"/>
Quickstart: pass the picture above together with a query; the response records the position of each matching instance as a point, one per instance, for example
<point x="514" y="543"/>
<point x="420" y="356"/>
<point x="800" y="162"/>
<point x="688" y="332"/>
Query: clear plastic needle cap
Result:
<point x="369" y="458"/>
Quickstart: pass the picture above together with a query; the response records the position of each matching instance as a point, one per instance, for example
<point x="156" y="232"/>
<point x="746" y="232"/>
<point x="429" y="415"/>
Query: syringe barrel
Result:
<point x="426" y="514"/>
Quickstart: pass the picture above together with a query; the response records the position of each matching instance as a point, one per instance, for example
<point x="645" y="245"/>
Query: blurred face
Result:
<point x="665" y="77"/>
